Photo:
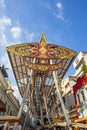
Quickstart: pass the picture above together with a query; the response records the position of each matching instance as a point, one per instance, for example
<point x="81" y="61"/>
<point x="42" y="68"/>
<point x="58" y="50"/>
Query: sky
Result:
<point x="64" y="23"/>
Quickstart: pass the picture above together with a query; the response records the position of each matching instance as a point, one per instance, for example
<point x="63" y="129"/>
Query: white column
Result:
<point x="85" y="92"/>
<point x="77" y="98"/>
<point x="26" y="93"/>
<point x="60" y="97"/>
<point x="45" y="102"/>
<point x="27" y="114"/>
<point x="81" y="98"/>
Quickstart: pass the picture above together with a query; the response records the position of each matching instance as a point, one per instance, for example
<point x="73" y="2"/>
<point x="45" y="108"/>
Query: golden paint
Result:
<point x="43" y="40"/>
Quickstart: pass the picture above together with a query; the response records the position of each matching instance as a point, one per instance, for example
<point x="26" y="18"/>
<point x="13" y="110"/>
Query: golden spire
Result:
<point x="43" y="40"/>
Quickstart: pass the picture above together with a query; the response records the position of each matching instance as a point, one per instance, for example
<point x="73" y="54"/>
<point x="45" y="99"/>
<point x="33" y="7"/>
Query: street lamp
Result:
<point x="9" y="90"/>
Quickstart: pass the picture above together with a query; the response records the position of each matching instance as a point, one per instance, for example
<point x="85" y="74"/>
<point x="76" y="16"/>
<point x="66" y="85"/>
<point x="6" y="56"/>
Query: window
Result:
<point x="78" y="98"/>
<point x="83" y="96"/>
<point x="8" y="109"/>
<point x="11" y="113"/>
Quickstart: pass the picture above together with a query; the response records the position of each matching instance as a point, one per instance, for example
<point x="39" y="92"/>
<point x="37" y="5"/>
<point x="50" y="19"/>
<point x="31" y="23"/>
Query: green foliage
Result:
<point x="84" y="66"/>
<point x="55" y="95"/>
<point x="38" y="123"/>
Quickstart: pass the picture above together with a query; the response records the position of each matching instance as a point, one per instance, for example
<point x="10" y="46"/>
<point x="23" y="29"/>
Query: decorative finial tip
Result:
<point x="43" y="39"/>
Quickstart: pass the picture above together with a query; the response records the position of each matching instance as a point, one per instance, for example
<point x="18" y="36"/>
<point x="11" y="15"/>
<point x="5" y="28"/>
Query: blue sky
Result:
<point x="64" y="23"/>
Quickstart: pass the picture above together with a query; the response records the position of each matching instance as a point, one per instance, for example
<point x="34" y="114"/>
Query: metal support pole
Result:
<point x="24" y="97"/>
<point x="60" y="98"/>
<point x="41" y="114"/>
<point x="27" y="114"/>
<point x="45" y="102"/>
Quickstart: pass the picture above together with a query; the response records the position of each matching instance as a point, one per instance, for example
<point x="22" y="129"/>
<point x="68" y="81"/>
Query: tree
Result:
<point x="84" y="66"/>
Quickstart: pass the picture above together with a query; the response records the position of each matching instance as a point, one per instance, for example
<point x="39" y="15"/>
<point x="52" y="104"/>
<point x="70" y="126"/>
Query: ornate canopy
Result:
<point x="21" y="57"/>
<point x="43" y="52"/>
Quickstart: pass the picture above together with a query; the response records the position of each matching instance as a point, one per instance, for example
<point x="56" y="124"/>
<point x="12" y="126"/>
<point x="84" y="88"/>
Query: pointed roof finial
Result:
<point x="43" y="40"/>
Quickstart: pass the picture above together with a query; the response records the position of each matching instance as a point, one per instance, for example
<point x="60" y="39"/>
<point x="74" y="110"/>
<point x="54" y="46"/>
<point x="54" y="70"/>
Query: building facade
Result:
<point x="74" y="87"/>
<point x="80" y="88"/>
<point x="11" y="103"/>
<point x="67" y="93"/>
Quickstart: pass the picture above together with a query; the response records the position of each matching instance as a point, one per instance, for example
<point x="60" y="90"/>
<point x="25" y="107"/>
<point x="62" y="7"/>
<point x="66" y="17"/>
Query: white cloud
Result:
<point x="3" y="39"/>
<point x="5" y="60"/>
<point x="16" y="32"/>
<point x="59" y="13"/>
<point x="2" y="3"/>
<point x="29" y="36"/>
<point x="59" y="5"/>
<point x="10" y="34"/>
<point x="5" y="22"/>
